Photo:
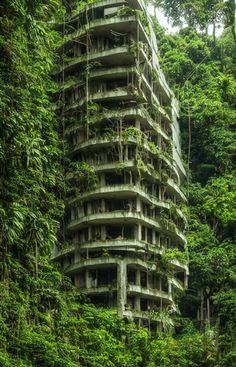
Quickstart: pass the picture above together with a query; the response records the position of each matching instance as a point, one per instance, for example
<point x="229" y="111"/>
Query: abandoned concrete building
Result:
<point x="123" y="213"/>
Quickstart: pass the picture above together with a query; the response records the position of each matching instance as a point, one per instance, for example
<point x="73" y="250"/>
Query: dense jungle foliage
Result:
<point x="43" y="319"/>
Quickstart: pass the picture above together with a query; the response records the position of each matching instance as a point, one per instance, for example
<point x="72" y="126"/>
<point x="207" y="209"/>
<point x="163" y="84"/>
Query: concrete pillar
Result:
<point x="139" y="232"/>
<point x="103" y="233"/>
<point x="82" y="237"/>
<point x="148" y="281"/>
<point x="137" y="304"/>
<point x="186" y="281"/>
<point x="137" y="124"/>
<point x="87" y="279"/>
<point x="153" y="236"/>
<point x="138" y="277"/>
<point x="169" y="287"/>
<point x="126" y="153"/>
<point x="102" y="178"/>
<point x="153" y="189"/>
<point x="89" y="233"/>
<point x="89" y="206"/>
<point x="121" y="287"/>
<point x="138" y="204"/>
<point x="77" y="254"/>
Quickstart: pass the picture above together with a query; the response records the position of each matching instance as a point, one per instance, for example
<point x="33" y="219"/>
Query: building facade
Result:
<point x="124" y="223"/>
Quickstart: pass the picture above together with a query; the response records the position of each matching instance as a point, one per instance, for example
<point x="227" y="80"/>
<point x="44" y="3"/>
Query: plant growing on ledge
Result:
<point x="83" y="176"/>
<point x="133" y="132"/>
<point x="175" y="254"/>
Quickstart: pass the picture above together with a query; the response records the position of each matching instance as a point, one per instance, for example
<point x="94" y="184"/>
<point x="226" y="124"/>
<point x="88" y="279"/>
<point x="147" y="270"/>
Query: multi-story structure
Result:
<point x="121" y="125"/>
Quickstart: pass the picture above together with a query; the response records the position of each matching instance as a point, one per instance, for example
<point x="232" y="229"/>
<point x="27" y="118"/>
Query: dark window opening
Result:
<point x="143" y="233"/>
<point x="131" y="276"/>
<point x="149" y="235"/>
<point x="143" y="279"/>
<point x="114" y="179"/>
<point x="119" y="233"/>
<point x="144" y="305"/>
<point x="165" y="284"/>
<point x="130" y="303"/>
<point x="107" y="299"/>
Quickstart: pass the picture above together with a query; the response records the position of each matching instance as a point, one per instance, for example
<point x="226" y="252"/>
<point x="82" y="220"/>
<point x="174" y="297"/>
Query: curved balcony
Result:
<point x="58" y="253"/>
<point x="115" y="244"/>
<point x="179" y="266"/>
<point x="98" y="263"/>
<point x="98" y="290"/>
<point x="112" y="57"/>
<point x="115" y="191"/>
<point x="124" y="113"/>
<point x="103" y="26"/>
<point x="120" y="216"/>
<point x="104" y="73"/>
<point x="149" y="293"/>
<point x="114" y="73"/>
<point x="146" y="170"/>
<point x="127" y="245"/>
<point x="105" y="262"/>
<point x="110" y="141"/>
<point x="118" y="23"/>
<point x="120" y="94"/>
<point x="103" y="3"/>
<point x="143" y="315"/>
<point x="177" y="284"/>
<point x="135" y="4"/>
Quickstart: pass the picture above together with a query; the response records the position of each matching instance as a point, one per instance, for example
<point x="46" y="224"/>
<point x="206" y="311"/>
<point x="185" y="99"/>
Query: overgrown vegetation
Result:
<point x="202" y="72"/>
<point x="43" y="321"/>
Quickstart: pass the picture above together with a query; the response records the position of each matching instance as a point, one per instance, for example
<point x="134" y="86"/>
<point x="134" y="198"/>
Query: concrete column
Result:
<point x="103" y="181"/>
<point x="139" y="232"/>
<point x="146" y="236"/>
<point x="169" y="287"/>
<point x="137" y="124"/>
<point x="89" y="206"/>
<point x="153" y="189"/>
<point x="148" y="280"/>
<point x="103" y="233"/>
<point x="104" y="157"/>
<point x="77" y="254"/>
<point x="89" y="233"/>
<point x="138" y="277"/>
<point x="138" y="204"/>
<point x="126" y="154"/>
<point x="137" y="304"/>
<point x="87" y="279"/>
<point x="82" y="237"/>
<point x="121" y="287"/>
<point x="186" y="281"/>
<point x="153" y="236"/>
